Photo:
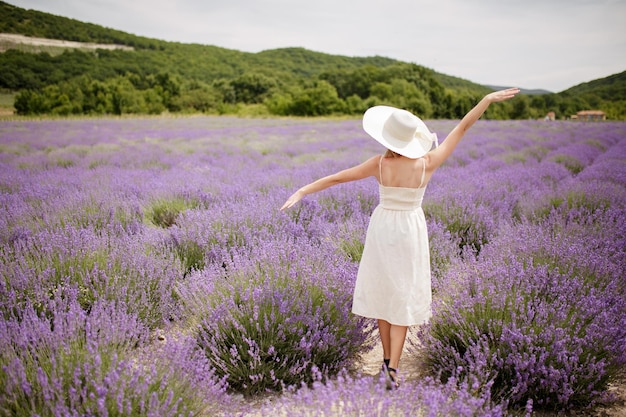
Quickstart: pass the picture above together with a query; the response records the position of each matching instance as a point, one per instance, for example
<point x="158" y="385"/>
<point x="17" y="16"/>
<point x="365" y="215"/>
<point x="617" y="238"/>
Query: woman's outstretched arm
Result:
<point x="366" y="169"/>
<point x="439" y="155"/>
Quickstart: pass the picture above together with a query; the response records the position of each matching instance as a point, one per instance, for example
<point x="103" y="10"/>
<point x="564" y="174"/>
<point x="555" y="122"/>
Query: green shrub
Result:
<point x="571" y="163"/>
<point x="164" y="212"/>
<point x="191" y="255"/>
<point x="467" y="225"/>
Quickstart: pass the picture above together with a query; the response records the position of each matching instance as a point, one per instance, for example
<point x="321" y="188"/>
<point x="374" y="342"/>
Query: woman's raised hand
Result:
<point x="502" y="95"/>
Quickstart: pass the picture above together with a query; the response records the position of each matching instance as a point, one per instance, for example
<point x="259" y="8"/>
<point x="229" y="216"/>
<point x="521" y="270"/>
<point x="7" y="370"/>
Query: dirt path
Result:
<point x="9" y="39"/>
<point x="409" y="364"/>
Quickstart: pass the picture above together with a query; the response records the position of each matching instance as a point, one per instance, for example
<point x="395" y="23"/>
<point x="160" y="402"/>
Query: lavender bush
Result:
<point x="272" y="321"/>
<point x="96" y="265"/>
<point x="74" y="363"/>
<point x="538" y="318"/>
<point x="115" y="230"/>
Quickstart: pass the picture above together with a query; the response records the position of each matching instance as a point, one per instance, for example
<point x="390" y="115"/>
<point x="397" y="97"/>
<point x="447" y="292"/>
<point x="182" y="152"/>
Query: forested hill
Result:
<point x="157" y="76"/>
<point x="611" y="88"/>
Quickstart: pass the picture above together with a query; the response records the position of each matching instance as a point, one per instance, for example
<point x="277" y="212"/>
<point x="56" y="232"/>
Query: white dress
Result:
<point x="393" y="281"/>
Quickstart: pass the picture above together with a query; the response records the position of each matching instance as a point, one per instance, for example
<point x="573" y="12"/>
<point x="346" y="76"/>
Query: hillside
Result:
<point x="89" y="69"/>
<point x="33" y="23"/>
<point x="611" y="88"/>
<point x="297" y="61"/>
<point x="215" y="61"/>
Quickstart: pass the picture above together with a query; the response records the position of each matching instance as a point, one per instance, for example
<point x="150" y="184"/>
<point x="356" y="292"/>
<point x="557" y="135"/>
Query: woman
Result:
<point x="393" y="280"/>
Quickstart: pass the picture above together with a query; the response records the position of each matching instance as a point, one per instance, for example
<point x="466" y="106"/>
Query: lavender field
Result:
<point x="146" y="270"/>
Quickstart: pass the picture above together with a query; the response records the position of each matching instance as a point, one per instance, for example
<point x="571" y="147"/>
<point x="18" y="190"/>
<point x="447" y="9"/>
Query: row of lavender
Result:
<point x="117" y="231"/>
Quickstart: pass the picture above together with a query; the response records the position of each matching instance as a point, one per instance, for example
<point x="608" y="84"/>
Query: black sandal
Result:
<point x="390" y="380"/>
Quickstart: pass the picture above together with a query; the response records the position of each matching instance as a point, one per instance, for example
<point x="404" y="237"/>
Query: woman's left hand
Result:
<point x="295" y="197"/>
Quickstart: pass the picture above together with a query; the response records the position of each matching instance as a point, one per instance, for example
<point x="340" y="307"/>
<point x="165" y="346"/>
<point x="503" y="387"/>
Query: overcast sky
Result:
<point x="549" y="44"/>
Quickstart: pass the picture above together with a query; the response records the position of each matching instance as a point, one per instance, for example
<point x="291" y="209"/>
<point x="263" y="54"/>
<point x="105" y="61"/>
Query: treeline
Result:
<point x="192" y="78"/>
<point x="339" y="92"/>
<point x="118" y="95"/>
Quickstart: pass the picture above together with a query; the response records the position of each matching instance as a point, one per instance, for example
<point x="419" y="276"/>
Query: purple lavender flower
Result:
<point x="354" y="396"/>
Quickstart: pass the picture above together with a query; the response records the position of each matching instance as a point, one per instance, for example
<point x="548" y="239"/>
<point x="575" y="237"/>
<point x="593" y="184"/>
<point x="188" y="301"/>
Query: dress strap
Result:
<point x="423" y="172"/>
<point x="380" y="169"/>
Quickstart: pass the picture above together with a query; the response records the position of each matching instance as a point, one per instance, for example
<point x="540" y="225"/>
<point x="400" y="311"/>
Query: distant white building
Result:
<point x="589" y="116"/>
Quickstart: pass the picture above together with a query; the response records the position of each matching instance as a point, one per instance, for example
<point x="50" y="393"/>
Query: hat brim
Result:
<point x="374" y="121"/>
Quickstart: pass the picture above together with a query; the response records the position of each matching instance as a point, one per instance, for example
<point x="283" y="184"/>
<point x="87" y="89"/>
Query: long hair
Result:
<point x="392" y="154"/>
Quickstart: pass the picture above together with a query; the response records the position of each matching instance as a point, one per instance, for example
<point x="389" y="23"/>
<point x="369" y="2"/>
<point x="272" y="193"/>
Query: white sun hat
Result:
<point x="399" y="130"/>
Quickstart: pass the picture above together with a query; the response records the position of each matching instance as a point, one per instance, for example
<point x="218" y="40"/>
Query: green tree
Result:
<point x="279" y="104"/>
<point x="320" y="99"/>
<point x="520" y="107"/>
<point x="29" y="102"/>
<point x="252" y="87"/>
<point x="384" y="92"/>
<point x="125" y="98"/>
<point x="97" y="99"/>
<point x="226" y="90"/>
<point x="353" y="82"/>
<point x="197" y="97"/>
<point x="355" y="105"/>
<point x="153" y="101"/>
<point x="403" y="94"/>
<point x="462" y="104"/>
<point x="168" y="87"/>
